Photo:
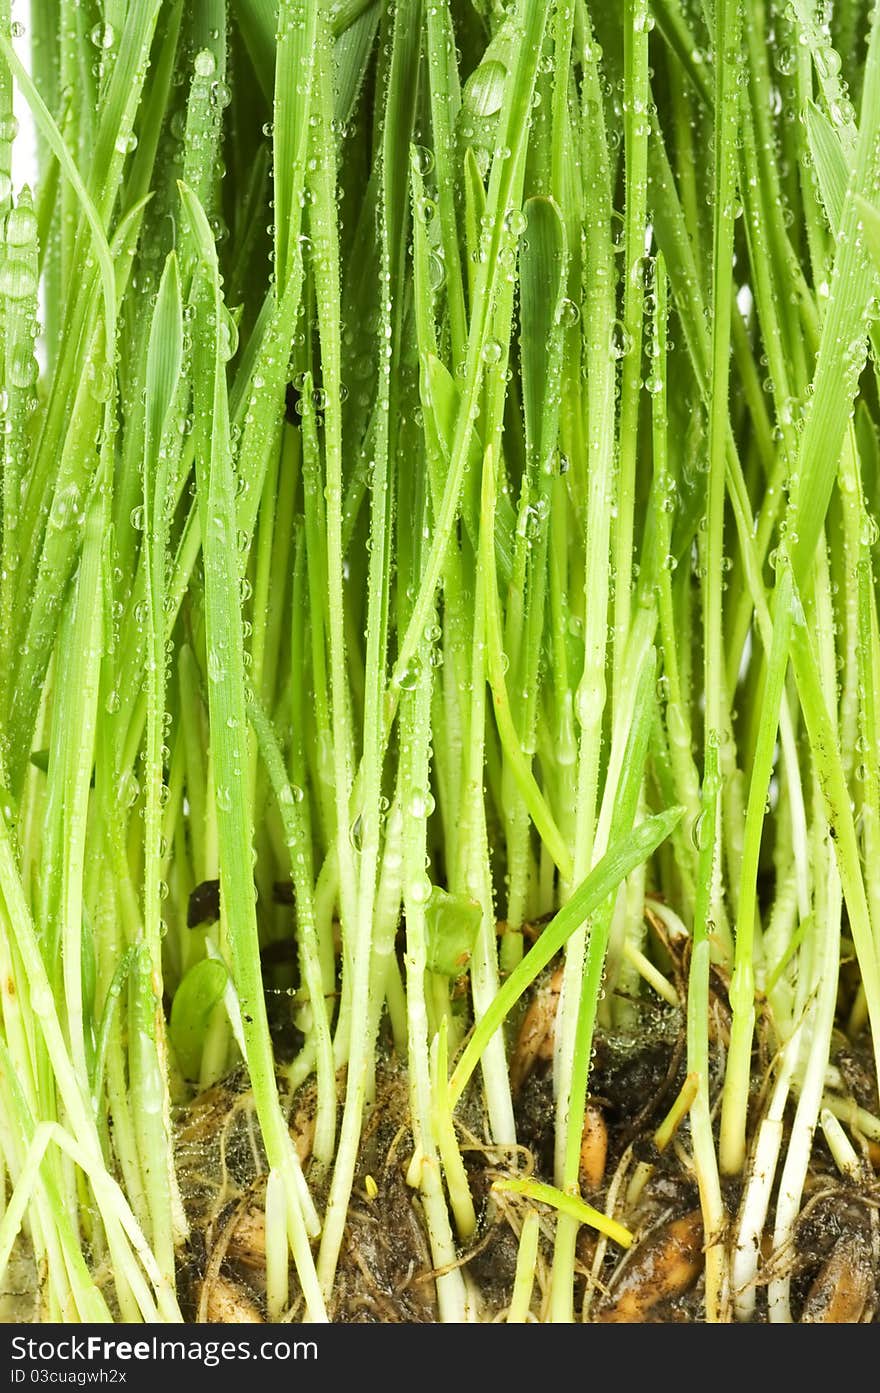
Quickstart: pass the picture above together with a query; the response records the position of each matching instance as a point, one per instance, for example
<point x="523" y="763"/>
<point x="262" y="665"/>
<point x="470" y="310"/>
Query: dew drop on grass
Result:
<point x="419" y="890"/>
<point x="126" y="142"/>
<point x="869" y="531"/>
<point x="103" y="36"/>
<point x="786" y="60"/>
<point x="698" y="827"/>
<point x="567" y="314"/>
<point x="22" y="368"/>
<point x="100" y="381"/>
<point x="515" y="221"/>
<point x="216" y="666"/>
<point x="422" y="160"/>
<point x="8" y="127"/>
<point x="409" y="677"/>
<point x="356" y="833"/>
<point x="420" y="803"/>
<point x="17" y="279"/>
<point x="21" y="225"/>
<point x="65" y="507"/>
<point x="127" y="790"/>
<point x="841" y="112"/>
<point x="827" y="60"/>
<point x="291" y="794"/>
<point x="228" y="336"/>
<point x="204" y="63"/>
<point x="484" y="89"/>
<point x="619" y="341"/>
<point x="492" y="351"/>
<point x="427" y="209"/>
<point x="223" y="798"/>
<point x="436" y="271"/>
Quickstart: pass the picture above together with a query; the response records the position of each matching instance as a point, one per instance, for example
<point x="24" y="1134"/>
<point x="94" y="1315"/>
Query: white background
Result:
<point x="24" y="150"/>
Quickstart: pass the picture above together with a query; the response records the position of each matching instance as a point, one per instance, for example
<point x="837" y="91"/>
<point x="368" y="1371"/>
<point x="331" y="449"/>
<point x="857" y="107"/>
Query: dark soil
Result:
<point x="385" y="1272"/>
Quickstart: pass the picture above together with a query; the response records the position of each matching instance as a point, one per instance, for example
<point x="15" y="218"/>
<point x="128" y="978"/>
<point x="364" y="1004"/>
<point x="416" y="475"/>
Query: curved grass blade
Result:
<point x="602" y="881"/>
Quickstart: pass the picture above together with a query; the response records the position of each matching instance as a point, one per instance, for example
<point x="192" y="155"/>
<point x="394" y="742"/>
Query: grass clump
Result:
<point x="439" y="492"/>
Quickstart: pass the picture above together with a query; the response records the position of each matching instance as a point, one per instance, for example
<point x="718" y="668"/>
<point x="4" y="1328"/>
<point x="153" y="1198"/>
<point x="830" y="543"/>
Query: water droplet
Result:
<point x="436" y="271"/>
<point x="492" y="351"/>
<point x="827" y="60"/>
<point x="869" y="531"/>
<point x="419" y="890"/>
<point x="567" y="313"/>
<point x="17" y="279"/>
<point x="216" y="666"/>
<point x="786" y="60"/>
<point x="126" y="142"/>
<point x="515" y="221"/>
<point x="420" y="803"/>
<point x="228" y="336"/>
<point x="127" y="790"/>
<point x="698" y="827"/>
<point x="484" y="89"/>
<point x="409" y="676"/>
<point x="22" y="368"/>
<point x="100" y="381"/>
<point x="65" y="507"/>
<point x="619" y="341"/>
<point x="223" y="798"/>
<point x="103" y="36"/>
<point x="422" y="159"/>
<point x="204" y="63"/>
<point x="21" y="226"/>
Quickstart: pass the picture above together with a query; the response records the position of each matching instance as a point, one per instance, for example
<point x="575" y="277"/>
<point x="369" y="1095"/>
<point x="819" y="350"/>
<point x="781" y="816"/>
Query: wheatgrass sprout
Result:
<point x="439" y="661"/>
